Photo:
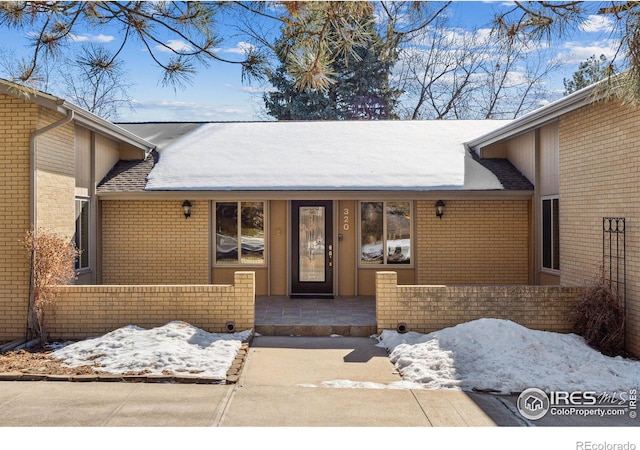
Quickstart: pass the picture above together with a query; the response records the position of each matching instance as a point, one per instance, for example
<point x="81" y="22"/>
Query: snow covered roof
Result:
<point x="160" y="133"/>
<point x="321" y="156"/>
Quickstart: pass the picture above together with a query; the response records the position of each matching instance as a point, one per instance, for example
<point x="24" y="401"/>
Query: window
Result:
<point x="239" y="222"/>
<point x="81" y="237"/>
<point x="385" y="233"/>
<point x="550" y="233"/>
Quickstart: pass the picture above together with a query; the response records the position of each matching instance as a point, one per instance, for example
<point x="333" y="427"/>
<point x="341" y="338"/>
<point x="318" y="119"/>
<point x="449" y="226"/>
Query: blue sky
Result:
<point x="217" y="92"/>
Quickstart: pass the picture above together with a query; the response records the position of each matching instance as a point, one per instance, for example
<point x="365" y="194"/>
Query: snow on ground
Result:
<point x="500" y="355"/>
<point x="487" y="354"/>
<point x="369" y="385"/>
<point x="176" y="347"/>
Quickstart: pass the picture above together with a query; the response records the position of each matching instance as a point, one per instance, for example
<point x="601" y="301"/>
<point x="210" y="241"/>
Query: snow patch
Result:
<point x="502" y="356"/>
<point x="177" y="348"/>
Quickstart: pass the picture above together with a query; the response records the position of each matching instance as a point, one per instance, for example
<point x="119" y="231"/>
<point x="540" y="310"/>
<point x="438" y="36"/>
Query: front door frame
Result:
<point x="324" y="288"/>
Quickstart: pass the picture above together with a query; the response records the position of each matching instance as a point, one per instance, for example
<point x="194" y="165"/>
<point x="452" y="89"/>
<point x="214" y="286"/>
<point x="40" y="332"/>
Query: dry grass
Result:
<point x="39" y="361"/>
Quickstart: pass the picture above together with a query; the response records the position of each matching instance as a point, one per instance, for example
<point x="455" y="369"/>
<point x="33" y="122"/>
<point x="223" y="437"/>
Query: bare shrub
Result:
<point x="599" y="318"/>
<point x="52" y="263"/>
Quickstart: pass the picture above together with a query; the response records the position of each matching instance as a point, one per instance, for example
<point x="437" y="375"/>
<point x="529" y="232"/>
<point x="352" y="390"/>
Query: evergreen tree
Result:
<point x="359" y="87"/>
<point x="589" y="72"/>
<point x="290" y="103"/>
<point x="363" y="90"/>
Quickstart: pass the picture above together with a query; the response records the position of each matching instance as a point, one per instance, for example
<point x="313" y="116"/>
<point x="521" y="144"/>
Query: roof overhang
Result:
<point x="540" y="116"/>
<point x="102" y="126"/>
<point x="81" y="116"/>
<point x="317" y="195"/>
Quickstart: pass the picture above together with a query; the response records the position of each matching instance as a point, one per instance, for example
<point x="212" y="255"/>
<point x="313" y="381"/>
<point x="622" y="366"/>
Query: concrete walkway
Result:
<point x="283" y="384"/>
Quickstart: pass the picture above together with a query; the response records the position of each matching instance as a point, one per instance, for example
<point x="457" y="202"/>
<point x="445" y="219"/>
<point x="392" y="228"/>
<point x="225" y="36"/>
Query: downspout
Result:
<point x="33" y="197"/>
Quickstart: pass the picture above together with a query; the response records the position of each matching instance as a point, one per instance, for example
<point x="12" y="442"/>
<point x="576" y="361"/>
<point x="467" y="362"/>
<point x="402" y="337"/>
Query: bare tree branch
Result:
<point x="189" y="22"/>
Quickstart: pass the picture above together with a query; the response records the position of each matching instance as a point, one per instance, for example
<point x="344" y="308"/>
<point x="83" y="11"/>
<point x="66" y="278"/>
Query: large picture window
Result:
<point x="239" y="233"/>
<point x="385" y="233"/>
<point x="550" y="233"/>
<point x="81" y="237"/>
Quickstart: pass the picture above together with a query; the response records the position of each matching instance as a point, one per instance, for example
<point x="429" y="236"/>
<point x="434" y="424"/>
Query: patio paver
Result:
<point x="284" y="316"/>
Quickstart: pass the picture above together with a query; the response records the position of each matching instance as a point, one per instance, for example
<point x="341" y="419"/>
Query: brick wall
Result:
<point x="56" y="175"/>
<point x="17" y="121"/>
<point x="428" y="308"/>
<point x="475" y="242"/>
<point x="84" y="311"/>
<point x="150" y="242"/>
<point x="599" y="177"/>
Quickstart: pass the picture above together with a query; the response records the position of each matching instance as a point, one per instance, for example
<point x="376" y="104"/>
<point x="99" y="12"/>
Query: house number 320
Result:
<point x="345" y="219"/>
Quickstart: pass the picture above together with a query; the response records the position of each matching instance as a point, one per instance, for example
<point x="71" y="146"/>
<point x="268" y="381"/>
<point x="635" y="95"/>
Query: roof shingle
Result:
<point x="128" y="176"/>
<point x="510" y="177"/>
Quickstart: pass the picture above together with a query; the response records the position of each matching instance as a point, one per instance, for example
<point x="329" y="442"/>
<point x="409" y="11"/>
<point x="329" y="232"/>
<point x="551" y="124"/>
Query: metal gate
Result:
<point x="614" y="256"/>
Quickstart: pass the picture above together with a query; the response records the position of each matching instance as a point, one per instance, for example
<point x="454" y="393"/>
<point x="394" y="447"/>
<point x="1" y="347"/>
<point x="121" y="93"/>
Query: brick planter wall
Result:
<point x="428" y="308"/>
<point x="85" y="311"/>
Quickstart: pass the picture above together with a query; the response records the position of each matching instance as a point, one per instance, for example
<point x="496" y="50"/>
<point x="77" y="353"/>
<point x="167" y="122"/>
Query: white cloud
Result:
<point x="543" y="102"/>
<point x="597" y="24"/>
<point x="516" y="78"/>
<point x="166" y="110"/>
<point x="258" y="89"/>
<point x="241" y="48"/>
<point x="101" y="38"/>
<point x="176" y="45"/>
<point x="577" y="52"/>
<point x="502" y="3"/>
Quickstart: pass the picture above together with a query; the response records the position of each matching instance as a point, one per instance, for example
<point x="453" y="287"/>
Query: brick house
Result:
<point x="321" y="223"/>
<point x="438" y="203"/>
<point x="580" y="153"/>
<point x="52" y="154"/>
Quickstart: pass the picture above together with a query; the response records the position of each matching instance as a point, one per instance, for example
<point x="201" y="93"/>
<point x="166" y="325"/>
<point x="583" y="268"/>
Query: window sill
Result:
<point x="238" y="266"/>
<point x="82" y="271"/>
<point x="550" y="271"/>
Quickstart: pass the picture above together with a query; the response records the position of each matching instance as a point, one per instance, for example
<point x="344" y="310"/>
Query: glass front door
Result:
<point x="312" y="248"/>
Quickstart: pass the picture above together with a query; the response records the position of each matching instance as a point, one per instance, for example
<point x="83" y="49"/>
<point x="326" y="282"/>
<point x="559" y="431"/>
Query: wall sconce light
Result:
<point x="439" y="209"/>
<point x="186" y="206"/>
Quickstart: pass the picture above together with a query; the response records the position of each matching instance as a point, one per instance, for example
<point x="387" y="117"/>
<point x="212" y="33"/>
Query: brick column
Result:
<point x="245" y="298"/>
<point x="386" y="300"/>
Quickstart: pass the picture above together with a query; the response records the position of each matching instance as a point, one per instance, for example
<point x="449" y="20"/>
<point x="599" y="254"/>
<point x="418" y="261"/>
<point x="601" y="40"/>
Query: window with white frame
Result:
<point x="551" y="233"/>
<point x="239" y="233"/>
<point x="385" y="233"/>
<point x="81" y="237"/>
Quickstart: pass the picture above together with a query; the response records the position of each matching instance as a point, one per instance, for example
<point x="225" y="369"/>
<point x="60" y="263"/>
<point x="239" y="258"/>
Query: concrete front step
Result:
<point x="316" y="330"/>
